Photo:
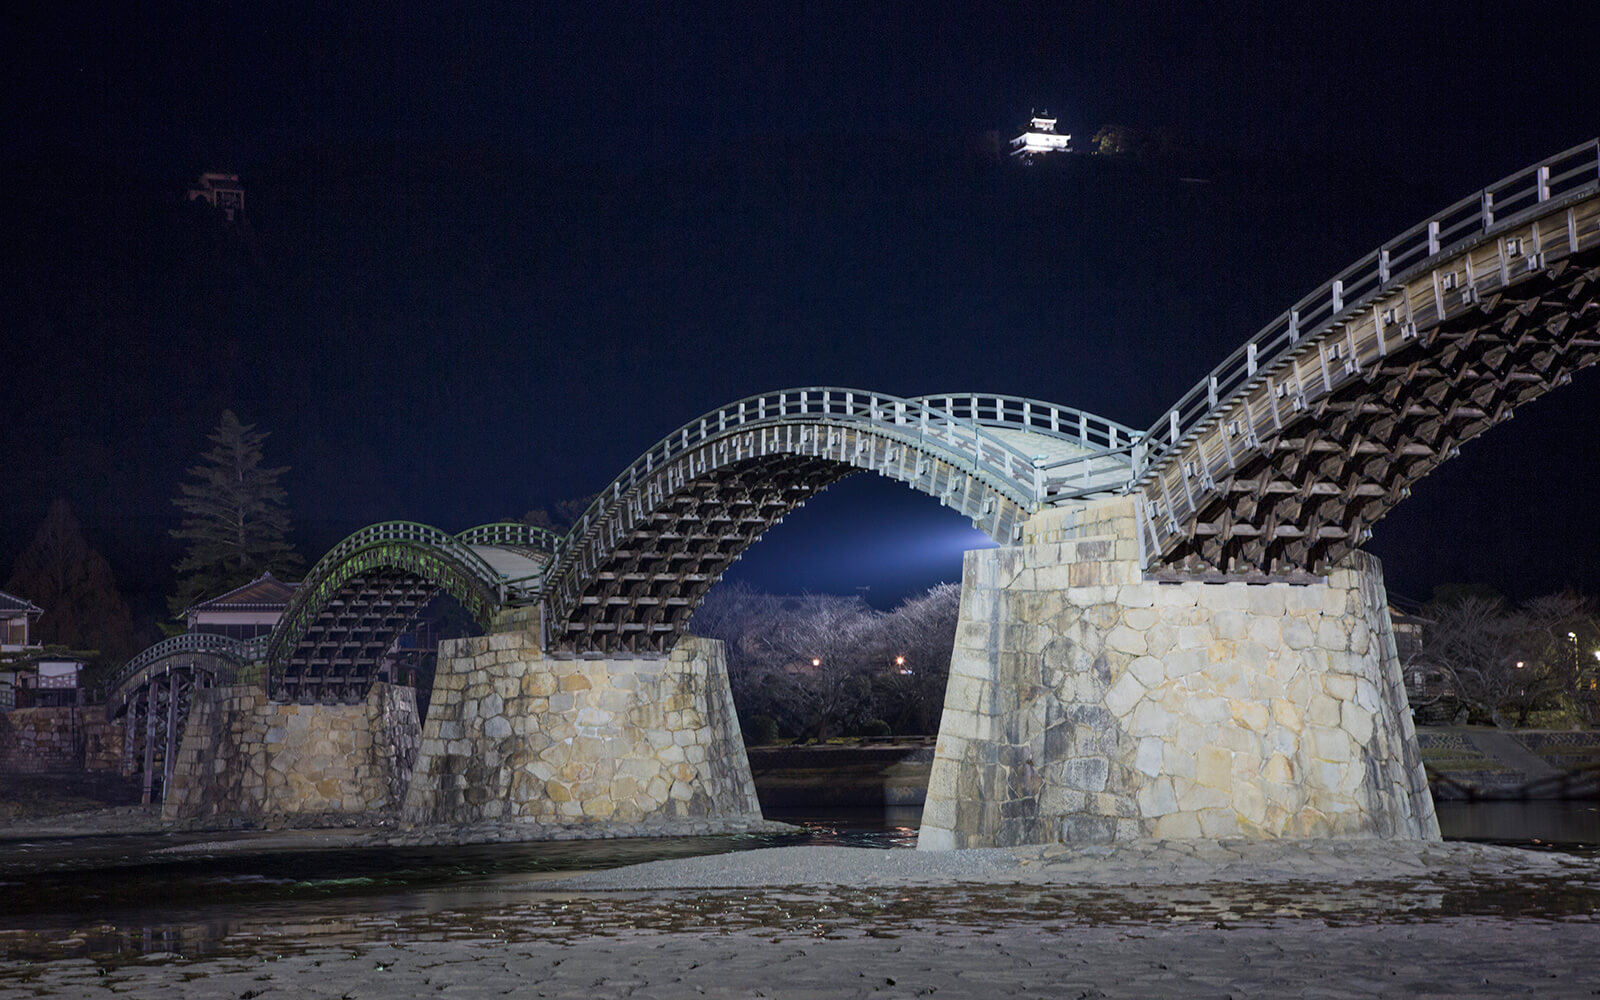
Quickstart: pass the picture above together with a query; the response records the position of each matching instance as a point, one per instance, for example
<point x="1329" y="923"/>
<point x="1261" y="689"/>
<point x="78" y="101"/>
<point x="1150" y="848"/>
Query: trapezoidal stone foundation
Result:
<point x="245" y="759"/>
<point x="1087" y="704"/>
<point x="637" y="746"/>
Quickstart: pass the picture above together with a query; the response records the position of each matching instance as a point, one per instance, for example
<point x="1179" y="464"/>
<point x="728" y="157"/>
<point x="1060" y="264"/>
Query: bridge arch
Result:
<point x="639" y="560"/>
<point x="368" y="589"/>
<point x="1284" y="456"/>
<point x="217" y="657"/>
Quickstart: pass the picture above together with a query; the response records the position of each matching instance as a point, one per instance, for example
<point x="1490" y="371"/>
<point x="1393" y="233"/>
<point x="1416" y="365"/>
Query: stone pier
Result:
<point x="640" y="745"/>
<point x="1088" y="704"/>
<point x="245" y="759"/>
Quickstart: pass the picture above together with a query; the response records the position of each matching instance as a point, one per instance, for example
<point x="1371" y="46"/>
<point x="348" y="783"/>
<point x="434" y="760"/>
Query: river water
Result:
<point x="127" y="896"/>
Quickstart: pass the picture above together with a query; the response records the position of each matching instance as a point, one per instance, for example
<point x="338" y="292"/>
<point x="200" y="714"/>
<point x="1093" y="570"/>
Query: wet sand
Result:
<point x="1202" y="919"/>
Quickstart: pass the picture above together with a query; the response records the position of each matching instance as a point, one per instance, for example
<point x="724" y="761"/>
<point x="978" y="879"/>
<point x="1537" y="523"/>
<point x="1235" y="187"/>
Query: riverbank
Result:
<point x="1191" y="919"/>
<point x="1463" y="763"/>
<point x="1136" y="863"/>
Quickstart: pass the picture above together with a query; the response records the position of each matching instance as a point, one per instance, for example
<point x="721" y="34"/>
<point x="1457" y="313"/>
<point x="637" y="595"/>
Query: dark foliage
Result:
<point x="235" y="522"/>
<point x="74" y="585"/>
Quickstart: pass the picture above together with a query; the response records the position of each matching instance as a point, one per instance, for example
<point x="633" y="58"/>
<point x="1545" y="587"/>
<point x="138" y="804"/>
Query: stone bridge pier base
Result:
<point x="247" y="760"/>
<point x="640" y="745"/>
<point x="1088" y="704"/>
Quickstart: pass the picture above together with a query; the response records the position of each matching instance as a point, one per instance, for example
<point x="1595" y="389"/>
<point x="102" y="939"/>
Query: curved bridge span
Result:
<point x="350" y="610"/>
<point x="637" y="563"/>
<point x="1284" y="456"/>
<point x="358" y="600"/>
<point x="1277" y="463"/>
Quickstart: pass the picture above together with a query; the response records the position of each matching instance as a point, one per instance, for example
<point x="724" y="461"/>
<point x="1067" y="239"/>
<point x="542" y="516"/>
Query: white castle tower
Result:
<point x="1040" y="137"/>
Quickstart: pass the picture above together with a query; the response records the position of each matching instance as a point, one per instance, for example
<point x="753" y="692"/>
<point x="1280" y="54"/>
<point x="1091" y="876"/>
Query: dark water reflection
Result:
<point x="115" y="897"/>
<point x="69" y="883"/>
<point x="1530" y="823"/>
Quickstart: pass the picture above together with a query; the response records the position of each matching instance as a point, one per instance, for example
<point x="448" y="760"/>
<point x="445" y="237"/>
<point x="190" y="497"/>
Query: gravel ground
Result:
<point x="1155" y="919"/>
<point x="1459" y="958"/>
<point x="1140" y="863"/>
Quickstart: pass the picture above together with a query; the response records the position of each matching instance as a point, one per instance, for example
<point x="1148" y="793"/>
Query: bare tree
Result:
<point x="819" y="664"/>
<point x="821" y="644"/>
<point x="914" y="642"/>
<point x="1559" y="632"/>
<point x="1503" y="664"/>
<point x="736" y="613"/>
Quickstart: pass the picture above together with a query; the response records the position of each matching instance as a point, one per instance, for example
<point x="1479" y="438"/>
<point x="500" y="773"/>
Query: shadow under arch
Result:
<point x="637" y="563"/>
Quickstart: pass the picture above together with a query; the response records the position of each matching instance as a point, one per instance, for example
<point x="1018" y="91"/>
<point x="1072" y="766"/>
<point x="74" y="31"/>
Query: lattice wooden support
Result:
<point x="341" y="649"/>
<point x="1313" y="489"/>
<point x="642" y="596"/>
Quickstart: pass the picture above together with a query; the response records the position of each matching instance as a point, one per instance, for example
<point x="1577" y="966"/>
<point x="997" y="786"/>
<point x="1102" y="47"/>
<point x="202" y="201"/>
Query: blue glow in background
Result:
<point x="863" y="532"/>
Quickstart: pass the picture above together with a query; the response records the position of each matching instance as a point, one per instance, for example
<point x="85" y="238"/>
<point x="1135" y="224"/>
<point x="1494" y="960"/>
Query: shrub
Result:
<point x="760" y="730"/>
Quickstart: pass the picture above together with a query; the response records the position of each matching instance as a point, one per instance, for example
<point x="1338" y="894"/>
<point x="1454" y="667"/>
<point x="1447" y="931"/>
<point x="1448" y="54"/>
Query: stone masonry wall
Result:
<point x="1086" y="704"/>
<point x="513" y="736"/>
<point x="39" y="740"/>
<point x="102" y="741"/>
<point x="59" y="738"/>
<point x="246" y="759"/>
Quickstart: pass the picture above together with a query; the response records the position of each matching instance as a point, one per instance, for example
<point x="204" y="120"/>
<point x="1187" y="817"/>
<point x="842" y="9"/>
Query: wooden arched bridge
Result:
<point x="1276" y="463"/>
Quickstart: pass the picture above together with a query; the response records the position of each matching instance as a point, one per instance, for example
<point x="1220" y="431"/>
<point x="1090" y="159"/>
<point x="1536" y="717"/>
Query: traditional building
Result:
<point x="243" y="612"/>
<point x="1039" y="138"/>
<point x="49" y="683"/>
<point x="16" y="622"/>
<point x="29" y="680"/>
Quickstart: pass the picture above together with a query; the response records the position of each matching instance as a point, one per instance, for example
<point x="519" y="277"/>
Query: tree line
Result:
<point x="235" y="525"/>
<point x="1483" y="660"/>
<point x="814" y="666"/>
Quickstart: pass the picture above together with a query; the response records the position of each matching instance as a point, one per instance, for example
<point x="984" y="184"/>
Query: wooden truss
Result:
<point x="1301" y="483"/>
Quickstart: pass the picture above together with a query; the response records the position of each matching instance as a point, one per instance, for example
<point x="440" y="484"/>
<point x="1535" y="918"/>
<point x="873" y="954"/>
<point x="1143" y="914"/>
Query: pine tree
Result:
<point x="74" y="585"/>
<point x="235" y="520"/>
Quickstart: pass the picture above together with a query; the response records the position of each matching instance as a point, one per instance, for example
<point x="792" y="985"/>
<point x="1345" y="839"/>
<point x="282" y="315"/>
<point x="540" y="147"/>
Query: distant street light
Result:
<point x="815" y="662"/>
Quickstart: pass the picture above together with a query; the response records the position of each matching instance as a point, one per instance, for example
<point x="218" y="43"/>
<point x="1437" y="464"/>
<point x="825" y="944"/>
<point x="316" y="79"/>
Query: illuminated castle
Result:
<point x="1040" y="137"/>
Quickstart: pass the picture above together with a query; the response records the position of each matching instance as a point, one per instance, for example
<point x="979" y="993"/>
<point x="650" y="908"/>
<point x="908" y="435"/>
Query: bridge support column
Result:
<point x="643" y="746"/>
<point x="1087" y="704"/>
<point x="244" y="759"/>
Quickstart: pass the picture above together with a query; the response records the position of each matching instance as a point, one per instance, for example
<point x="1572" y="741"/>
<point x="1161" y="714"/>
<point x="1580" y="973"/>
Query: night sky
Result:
<point x="490" y="258"/>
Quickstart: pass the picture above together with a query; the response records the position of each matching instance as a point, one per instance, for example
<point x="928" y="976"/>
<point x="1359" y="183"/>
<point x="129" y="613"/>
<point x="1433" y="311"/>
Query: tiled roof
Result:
<point x="265" y="591"/>
<point x="10" y="602"/>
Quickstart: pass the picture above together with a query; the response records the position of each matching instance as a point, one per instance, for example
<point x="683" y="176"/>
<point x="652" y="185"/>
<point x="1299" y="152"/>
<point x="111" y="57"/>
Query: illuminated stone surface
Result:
<point x="1088" y="704"/>
<point x="245" y="758"/>
<point x="514" y="736"/>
